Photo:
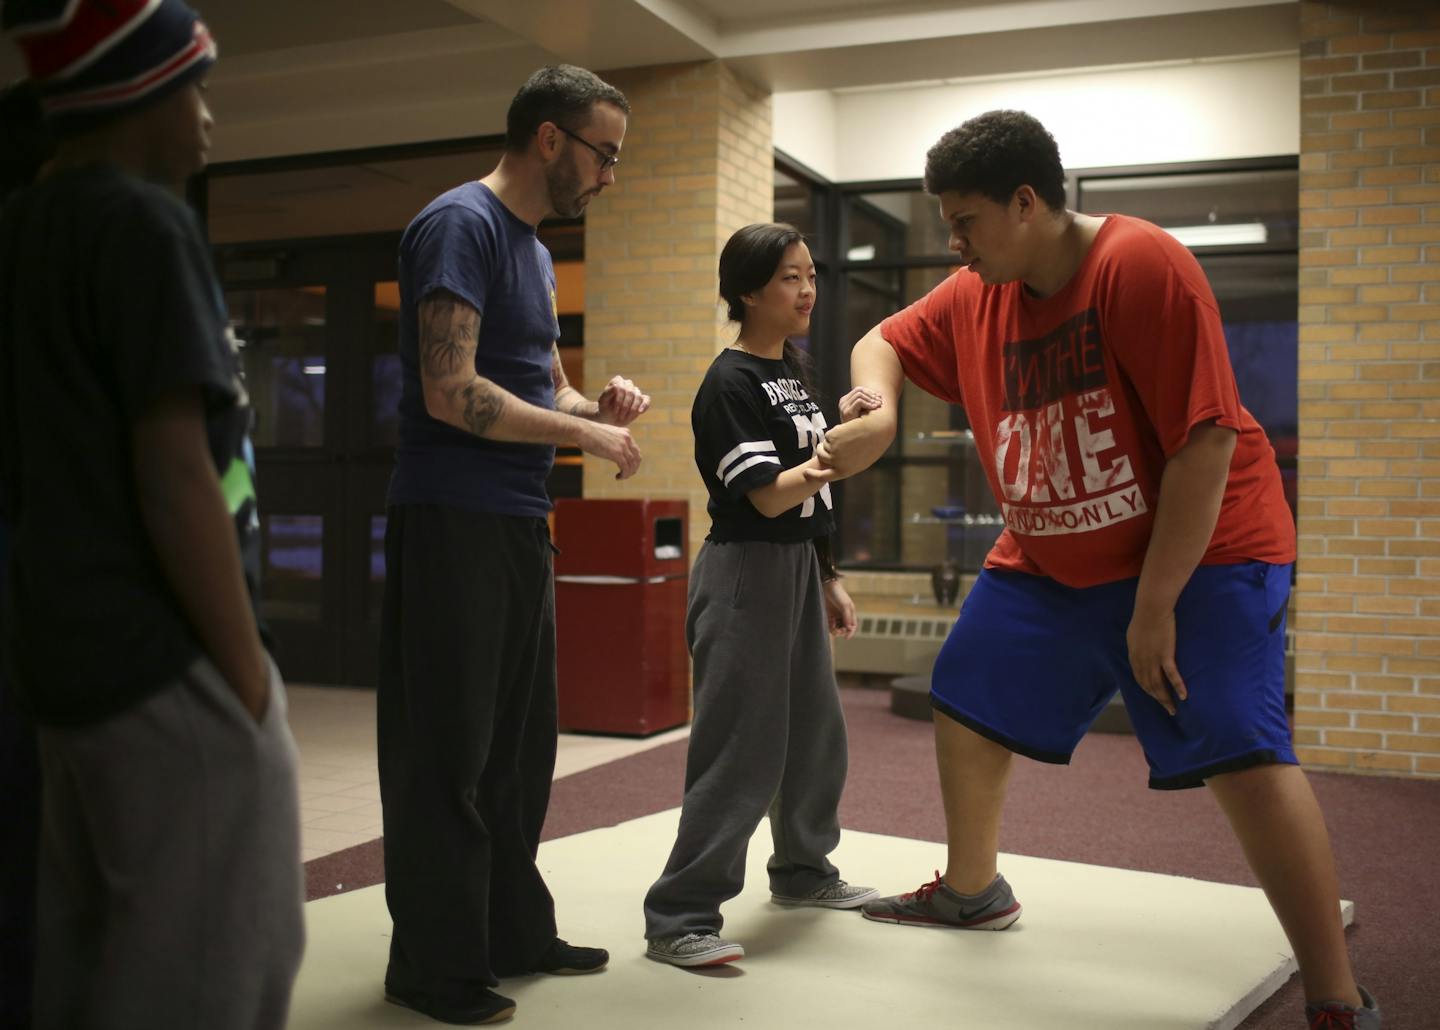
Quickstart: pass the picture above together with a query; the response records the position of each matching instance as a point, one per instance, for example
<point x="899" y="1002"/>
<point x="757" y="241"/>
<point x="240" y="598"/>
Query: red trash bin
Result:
<point x="620" y="582"/>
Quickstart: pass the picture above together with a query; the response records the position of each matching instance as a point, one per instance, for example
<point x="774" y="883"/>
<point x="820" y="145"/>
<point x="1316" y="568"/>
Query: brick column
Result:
<point x="697" y="165"/>
<point x="1368" y="601"/>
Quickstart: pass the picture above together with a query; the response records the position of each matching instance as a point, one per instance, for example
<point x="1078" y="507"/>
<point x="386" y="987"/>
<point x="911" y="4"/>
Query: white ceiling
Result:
<point x="739" y="13"/>
<point x="831" y="44"/>
<point x="306" y="75"/>
<point x="813" y="44"/>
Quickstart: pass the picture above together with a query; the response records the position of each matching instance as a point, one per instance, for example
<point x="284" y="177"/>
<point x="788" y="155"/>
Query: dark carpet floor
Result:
<point x="1385" y="831"/>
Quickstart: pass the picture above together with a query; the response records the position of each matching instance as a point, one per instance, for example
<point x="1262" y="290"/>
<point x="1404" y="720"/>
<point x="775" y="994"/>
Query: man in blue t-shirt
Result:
<point x="467" y="710"/>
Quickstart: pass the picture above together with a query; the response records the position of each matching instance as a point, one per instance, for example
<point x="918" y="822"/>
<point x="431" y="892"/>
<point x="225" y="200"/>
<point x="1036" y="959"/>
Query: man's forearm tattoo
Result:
<point x="572" y="403"/>
<point x="568" y="400"/>
<point x="557" y="371"/>
<point x="482" y="404"/>
<point x="447" y="336"/>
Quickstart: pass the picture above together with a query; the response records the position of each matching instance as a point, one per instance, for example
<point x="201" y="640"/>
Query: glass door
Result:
<point x="316" y="325"/>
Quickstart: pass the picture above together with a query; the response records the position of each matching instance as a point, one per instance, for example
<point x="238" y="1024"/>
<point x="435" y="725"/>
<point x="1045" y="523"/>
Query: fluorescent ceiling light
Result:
<point x="314" y="370"/>
<point x="1219" y="235"/>
<point x="865" y="253"/>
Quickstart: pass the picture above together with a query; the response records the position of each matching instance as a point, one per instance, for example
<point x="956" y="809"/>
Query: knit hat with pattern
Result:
<point x="92" y="59"/>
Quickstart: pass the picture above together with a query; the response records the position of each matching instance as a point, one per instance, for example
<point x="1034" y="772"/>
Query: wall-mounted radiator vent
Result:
<point x="896" y="645"/>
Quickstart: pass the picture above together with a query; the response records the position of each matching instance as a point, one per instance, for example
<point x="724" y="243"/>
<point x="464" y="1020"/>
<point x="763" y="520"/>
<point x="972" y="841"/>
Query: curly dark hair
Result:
<point x="994" y="154"/>
<point x="559" y="93"/>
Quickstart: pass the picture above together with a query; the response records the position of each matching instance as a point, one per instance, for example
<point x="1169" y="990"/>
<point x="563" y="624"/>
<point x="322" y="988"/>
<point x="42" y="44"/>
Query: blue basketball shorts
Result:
<point x="1031" y="663"/>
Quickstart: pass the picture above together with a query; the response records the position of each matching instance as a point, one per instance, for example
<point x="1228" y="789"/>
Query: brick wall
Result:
<point x="697" y="165"/>
<point x="1367" y="605"/>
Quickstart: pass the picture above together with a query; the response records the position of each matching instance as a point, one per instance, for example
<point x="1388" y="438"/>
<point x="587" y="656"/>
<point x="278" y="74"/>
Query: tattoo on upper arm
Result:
<point x="448" y="328"/>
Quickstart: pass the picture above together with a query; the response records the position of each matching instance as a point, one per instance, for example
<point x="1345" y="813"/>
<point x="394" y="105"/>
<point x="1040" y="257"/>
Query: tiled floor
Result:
<point x="339" y="786"/>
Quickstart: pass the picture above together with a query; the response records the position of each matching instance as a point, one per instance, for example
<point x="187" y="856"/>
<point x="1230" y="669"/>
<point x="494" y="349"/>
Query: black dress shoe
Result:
<point x="485" y="1007"/>
<point x="565" y="959"/>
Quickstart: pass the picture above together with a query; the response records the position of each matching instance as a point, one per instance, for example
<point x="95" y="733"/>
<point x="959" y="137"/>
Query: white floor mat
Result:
<point x="1096" y="947"/>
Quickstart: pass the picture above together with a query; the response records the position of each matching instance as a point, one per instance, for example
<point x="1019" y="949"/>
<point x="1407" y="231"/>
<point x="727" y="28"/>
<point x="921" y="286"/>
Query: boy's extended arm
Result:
<point x="855" y="445"/>
<point x="850" y="447"/>
<point x="193" y="535"/>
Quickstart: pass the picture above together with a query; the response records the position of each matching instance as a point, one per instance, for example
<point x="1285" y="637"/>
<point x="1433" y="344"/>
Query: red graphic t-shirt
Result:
<point x="1078" y="399"/>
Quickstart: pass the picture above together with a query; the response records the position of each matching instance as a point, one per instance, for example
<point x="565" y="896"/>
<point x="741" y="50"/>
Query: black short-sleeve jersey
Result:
<point x="752" y="420"/>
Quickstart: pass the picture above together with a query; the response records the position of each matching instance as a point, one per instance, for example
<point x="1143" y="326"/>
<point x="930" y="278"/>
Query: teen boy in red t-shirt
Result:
<point x="1147" y="545"/>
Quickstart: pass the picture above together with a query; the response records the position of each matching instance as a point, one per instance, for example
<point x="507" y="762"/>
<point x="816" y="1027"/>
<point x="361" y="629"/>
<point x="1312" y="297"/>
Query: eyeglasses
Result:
<point x="607" y="161"/>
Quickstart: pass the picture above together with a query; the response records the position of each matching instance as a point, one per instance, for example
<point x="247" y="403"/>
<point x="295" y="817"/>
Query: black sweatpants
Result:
<point x="467" y="723"/>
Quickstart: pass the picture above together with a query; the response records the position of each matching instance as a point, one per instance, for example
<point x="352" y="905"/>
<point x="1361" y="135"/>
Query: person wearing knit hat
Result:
<point x="92" y="60"/>
<point x="108" y="73"/>
<point x="170" y="887"/>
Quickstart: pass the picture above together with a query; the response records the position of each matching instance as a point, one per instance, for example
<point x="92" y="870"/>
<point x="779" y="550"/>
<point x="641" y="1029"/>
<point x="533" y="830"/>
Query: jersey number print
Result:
<point x="790" y="396"/>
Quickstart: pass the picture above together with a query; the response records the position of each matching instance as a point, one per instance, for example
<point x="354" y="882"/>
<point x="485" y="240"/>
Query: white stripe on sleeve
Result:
<point x="759" y="459"/>
<point x="765" y="446"/>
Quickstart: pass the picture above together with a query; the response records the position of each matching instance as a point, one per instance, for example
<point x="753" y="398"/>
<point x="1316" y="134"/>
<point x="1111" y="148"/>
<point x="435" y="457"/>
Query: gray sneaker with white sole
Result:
<point x="693" y="949"/>
<point x="833" y="895"/>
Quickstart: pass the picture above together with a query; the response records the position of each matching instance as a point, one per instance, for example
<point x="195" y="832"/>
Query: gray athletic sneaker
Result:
<point x="1335" y="1015"/>
<point x="935" y="904"/>
<point x="693" y="949"/>
<point x="833" y="895"/>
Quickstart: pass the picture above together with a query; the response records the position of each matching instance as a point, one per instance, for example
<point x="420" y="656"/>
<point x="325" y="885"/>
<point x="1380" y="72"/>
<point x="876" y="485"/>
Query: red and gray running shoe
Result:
<point x="935" y="904"/>
<point x="1336" y="1015"/>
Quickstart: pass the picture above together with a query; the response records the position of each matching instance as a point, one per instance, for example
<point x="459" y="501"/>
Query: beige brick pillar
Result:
<point x="1368" y="601"/>
<point x="697" y="165"/>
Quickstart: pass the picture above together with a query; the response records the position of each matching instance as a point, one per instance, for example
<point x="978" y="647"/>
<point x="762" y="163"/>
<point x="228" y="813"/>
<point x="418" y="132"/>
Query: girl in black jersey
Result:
<point x="768" y="733"/>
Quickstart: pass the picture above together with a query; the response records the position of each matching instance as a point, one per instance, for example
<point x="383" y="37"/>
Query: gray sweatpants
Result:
<point x="170" y="887"/>
<point x="768" y="734"/>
